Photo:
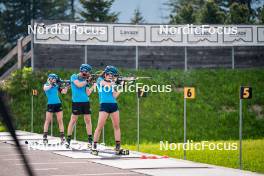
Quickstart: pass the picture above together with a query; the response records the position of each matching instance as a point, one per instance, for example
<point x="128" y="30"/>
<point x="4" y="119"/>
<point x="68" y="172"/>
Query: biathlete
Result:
<point x="108" y="105"/>
<point x="52" y="90"/>
<point x="80" y="101"/>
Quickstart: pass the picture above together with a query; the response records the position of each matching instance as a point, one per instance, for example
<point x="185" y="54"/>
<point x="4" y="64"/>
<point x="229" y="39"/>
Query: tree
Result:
<point x="184" y="11"/>
<point x="137" y="18"/>
<point x="3" y="40"/>
<point x="98" y="11"/>
<point x="261" y="15"/>
<point x="211" y="14"/>
<point x="185" y="15"/>
<point x="16" y="15"/>
<point x="239" y="14"/>
<point x="72" y="9"/>
<point x="252" y="5"/>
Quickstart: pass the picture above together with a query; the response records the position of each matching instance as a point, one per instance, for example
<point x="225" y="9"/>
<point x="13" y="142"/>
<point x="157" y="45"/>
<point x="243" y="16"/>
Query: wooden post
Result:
<point x="19" y="53"/>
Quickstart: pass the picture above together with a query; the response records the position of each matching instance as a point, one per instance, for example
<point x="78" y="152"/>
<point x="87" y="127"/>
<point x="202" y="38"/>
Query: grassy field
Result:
<point x="213" y="115"/>
<point x="253" y="154"/>
<point x="2" y="128"/>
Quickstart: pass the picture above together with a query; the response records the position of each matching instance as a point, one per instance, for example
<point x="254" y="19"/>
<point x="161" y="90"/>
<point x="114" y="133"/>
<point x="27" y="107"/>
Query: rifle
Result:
<point x="93" y="77"/>
<point x="130" y="80"/>
<point x="63" y="83"/>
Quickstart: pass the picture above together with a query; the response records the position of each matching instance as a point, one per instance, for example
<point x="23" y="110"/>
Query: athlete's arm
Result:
<point x="89" y="91"/>
<point x="46" y="87"/>
<point x="80" y="83"/>
<point x="116" y="93"/>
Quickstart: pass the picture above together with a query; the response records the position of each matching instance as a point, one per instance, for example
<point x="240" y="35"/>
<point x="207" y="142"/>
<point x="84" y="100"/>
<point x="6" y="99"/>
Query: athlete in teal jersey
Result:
<point x="52" y="90"/>
<point x="108" y="105"/>
<point x="80" y="101"/>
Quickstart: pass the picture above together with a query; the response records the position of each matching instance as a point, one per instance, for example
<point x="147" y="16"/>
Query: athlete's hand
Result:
<point x="89" y="79"/>
<point x="122" y="83"/>
<point x="53" y="84"/>
<point x="64" y="91"/>
<point x="94" y="85"/>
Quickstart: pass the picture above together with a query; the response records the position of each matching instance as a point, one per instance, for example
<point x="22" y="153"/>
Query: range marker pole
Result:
<point x="240" y="133"/>
<point x="136" y="57"/>
<point x="137" y="123"/>
<point x="32" y="113"/>
<point x="189" y="93"/>
<point x="184" y="128"/>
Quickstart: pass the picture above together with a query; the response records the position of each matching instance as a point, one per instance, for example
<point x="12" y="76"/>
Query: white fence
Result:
<point x="147" y="35"/>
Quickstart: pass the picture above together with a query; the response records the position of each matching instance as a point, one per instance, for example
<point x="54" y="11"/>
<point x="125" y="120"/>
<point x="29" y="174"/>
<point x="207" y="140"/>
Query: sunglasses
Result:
<point x="107" y="74"/>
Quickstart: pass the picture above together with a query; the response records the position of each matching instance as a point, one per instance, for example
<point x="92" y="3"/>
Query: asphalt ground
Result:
<point x="46" y="163"/>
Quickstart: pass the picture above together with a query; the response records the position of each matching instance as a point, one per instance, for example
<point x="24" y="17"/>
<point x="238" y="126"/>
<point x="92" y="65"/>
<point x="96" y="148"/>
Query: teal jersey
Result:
<point x="78" y="93"/>
<point x="53" y="94"/>
<point x="105" y="93"/>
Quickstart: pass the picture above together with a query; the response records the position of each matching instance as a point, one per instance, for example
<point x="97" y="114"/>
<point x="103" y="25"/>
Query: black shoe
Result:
<point x="94" y="146"/>
<point x="68" y="142"/>
<point x="90" y="143"/>
<point x="63" y="140"/>
<point x="117" y="147"/>
<point x="45" y="141"/>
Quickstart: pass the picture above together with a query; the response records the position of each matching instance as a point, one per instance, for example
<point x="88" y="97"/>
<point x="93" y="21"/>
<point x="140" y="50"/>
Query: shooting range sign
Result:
<point x="34" y="92"/>
<point x="159" y="36"/>
<point x="142" y="92"/>
<point x="129" y="34"/>
<point x="200" y="37"/>
<point x="52" y="32"/>
<point x="92" y="33"/>
<point x="244" y="35"/>
<point x="189" y="92"/>
<point x="245" y="92"/>
<point x="260" y="34"/>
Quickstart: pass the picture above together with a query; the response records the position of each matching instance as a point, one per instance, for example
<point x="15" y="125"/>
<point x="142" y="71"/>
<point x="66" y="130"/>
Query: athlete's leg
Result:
<point x="46" y="125"/>
<point x="70" y="126"/>
<point x="117" y="132"/>
<point x="47" y="121"/>
<point x="60" y="123"/>
<point x="88" y="123"/>
<point x="60" y="120"/>
<point x="101" y="122"/>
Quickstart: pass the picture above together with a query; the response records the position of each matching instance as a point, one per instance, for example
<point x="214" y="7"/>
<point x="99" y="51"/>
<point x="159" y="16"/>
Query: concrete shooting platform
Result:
<point x="66" y="162"/>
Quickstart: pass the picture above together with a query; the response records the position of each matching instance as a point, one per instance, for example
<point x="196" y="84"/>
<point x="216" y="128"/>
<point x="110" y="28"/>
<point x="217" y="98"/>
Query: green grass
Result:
<point x="2" y="128"/>
<point x="213" y="115"/>
<point x="253" y="154"/>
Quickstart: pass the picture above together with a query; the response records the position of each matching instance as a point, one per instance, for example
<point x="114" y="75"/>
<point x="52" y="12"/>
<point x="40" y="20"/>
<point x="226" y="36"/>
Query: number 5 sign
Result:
<point x="189" y="92"/>
<point x="245" y="92"/>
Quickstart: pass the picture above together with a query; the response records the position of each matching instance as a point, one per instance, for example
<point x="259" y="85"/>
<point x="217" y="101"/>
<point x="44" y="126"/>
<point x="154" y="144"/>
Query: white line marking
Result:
<point x="8" y="147"/>
<point x="45" y="169"/>
<point x="117" y="173"/>
<point x="54" y="163"/>
<point x="15" y="154"/>
<point x="12" y="159"/>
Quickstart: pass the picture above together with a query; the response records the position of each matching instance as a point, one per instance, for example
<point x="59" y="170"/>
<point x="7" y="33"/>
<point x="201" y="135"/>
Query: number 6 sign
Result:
<point x="189" y="92"/>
